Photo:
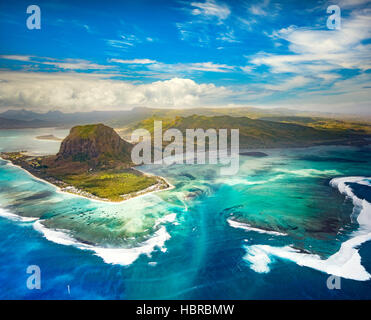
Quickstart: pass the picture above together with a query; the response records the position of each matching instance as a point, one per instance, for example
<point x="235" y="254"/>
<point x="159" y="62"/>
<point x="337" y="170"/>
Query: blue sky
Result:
<point x="112" y="55"/>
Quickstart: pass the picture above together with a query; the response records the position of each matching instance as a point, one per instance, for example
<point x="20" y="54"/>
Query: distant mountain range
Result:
<point x="256" y="133"/>
<point x="29" y="119"/>
<point x="20" y="124"/>
<point x="121" y="119"/>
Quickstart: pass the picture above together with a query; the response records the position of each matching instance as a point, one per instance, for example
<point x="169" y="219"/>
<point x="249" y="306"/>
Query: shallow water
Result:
<point x="269" y="232"/>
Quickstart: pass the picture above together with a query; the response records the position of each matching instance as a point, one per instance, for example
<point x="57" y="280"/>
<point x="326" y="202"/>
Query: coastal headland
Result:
<point x="93" y="162"/>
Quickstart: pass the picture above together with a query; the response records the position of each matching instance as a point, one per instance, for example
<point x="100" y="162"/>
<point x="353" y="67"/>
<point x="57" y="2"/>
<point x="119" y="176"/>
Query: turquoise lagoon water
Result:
<point x="276" y="230"/>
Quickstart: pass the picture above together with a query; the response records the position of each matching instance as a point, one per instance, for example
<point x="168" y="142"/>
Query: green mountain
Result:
<point x="97" y="145"/>
<point x="141" y="113"/>
<point x="255" y="133"/>
<point x="352" y="127"/>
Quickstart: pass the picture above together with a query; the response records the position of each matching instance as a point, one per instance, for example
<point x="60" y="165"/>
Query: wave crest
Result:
<point x="122" y="256"/>
<point x="345" y="263"/>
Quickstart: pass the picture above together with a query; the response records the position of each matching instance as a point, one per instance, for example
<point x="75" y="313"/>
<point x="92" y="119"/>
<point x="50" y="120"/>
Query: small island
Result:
<point x="93" y="162"/>
<point x="48" y="137"/>
<point x="256" y="154"/>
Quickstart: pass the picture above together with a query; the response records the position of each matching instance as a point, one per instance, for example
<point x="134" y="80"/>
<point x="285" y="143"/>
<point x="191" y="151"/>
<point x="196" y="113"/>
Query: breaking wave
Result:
<point x="122" y="256"/>
<point x="12" y="216"/>
<point x="245" y="226"/>
<point x="345" y="263"/>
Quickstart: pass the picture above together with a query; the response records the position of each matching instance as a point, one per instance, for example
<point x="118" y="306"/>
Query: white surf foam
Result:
<point x="245" y="180"/>
<point x="246" y="226"/>
<point x="12" y="216"/>
<point x="168" y="218"/>
<point x="360" y="205"/>
<point x="309" y="172"/>
<point x="258" y="259"/>
<point x="345" y="263"/>
<point x="122" y="256"/>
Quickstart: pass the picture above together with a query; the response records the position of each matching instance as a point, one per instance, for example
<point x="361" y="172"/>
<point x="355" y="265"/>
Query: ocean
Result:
<point x="276" y="230"/>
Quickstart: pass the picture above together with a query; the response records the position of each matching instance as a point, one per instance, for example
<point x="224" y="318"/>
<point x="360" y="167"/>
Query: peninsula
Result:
<point x="93" y="162"/>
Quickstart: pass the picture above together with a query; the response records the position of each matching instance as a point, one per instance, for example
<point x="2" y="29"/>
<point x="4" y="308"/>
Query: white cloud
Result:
<point x="121" y="44"/>
<point x="295" y="82"/>
<point x="247" y="24"/>
<point x="264" y="8"/>
<point x="65" y="64"/>
<point x="247" y="69"/>
<point x="133" y="61"/>
<point x="16" y="57"/>
<point x="314" y="63"/>
<point x="125" y="41"/>
<point x="227" y="36"/>
<point x="351" y="3"/>
<point x="75" y="64"/>
<point x="351" y="96"/>
<point x="189" y="67"/>
<point x="328" y="77"/>
<point x="323" y="49"/>
<point x="152" y="65"/>
<point x="259" y="9"/>
<point x="206" y="16"/>
<point x="196" y="32"/>
<point x="210" y="8"/>
<point x="70" y="92"/>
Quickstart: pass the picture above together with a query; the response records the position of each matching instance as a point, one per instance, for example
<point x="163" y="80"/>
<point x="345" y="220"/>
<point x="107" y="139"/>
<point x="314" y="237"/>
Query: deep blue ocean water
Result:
<point x="276" y="230"/>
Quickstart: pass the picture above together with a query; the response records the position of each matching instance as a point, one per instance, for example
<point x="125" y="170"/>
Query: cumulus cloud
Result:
<point x="75" y="92"/>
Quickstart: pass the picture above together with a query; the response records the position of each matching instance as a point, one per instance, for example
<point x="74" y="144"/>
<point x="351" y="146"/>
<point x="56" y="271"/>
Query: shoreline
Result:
<point x="61" y="191"/>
